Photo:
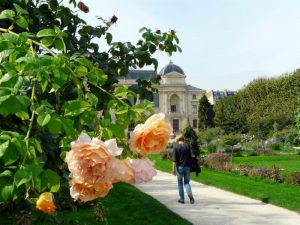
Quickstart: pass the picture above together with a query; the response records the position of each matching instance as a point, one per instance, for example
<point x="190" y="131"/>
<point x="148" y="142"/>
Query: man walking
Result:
<point x="182" y="155"/>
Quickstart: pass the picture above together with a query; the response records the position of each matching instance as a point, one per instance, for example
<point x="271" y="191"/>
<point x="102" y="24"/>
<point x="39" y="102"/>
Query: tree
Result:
<point x="191" y="138"/>
<point x="228" y="115"/>
<point x="55" y="82"/>
<point x="229" y="141"/>
<point x="205" y="114"/>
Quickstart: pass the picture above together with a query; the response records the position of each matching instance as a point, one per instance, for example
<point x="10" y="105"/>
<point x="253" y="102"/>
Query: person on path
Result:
<point x="182" y="155"/>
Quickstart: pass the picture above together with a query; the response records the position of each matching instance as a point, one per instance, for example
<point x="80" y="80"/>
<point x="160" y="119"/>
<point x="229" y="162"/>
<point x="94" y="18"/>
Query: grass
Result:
<point x="282" y="195"/>
<point x="290" y="163"/>
<point x="124" y="205"/>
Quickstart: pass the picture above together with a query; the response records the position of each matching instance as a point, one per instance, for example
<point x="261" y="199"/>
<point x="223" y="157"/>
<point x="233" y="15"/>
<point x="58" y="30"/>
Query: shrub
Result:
<point x="294" y="178"/>
<point x="265" y="151"/>
<point x="273" y="173"/>
<point x="246" y="170"/>
<point x="217" y="160"/>
<point x="211" y="148"/>
<point x="251" y="153"/>
<point x="275" y="146"/>
<point x="166" y="155"/>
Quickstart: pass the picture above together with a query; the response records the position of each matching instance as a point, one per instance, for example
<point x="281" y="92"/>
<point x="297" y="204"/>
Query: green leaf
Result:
<point x="22" y="22"/>
<point x="6" y="191"/>
<point x="54" y="126"/>
<point x="76" y="107"/>
<point x="81" y="71"/>
<point x="36" y="144"/>
<point x="5" y="45"/>
<point x="97" y="77"/>
<point x="13" y="104"/>
<point x="7" y="14"/>
<point x="11" y="155"/>
<point x="46" y="33"/>
<point x="93" y="99"/>
<point x="22" y="115"/>
<point x="117" y="130"/>
<point x="3" y="148"/>
<point x="50" y="179"/>
<point x="69" y="127"/>
<point x="6" y="173"/>
<point x="22" y="177"/>
<point x="27" y="173"/>
<point x="84" y="62"/>
<point x="108" y="38"/>
<point x="59" y="45"/>
<point x="48" y="41"/>
<point x="43" y="119"/>
<point x="19" y="9"/>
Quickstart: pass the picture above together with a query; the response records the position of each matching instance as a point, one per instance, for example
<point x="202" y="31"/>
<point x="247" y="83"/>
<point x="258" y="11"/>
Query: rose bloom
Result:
<point x="91" y="159"/>
<point x="143" y="170"/>
<point x="86" y="191"/>
<point x="45" y="203"/>
<point x="152" y="136"/>
<point x="122" y="172"/>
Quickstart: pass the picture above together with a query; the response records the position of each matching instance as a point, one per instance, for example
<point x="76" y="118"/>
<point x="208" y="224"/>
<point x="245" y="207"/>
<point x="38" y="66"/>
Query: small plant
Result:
<point x="166" y="155"/>
<point x="294" y="178"/>
<point x="275" y="146"/>
<point x="217" y="160"/>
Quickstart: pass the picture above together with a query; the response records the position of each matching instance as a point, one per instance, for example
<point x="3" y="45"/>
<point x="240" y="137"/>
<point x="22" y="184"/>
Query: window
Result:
<point x="194" y="123"/>
<point x="173" y="108"/>
<point x="194" y="97"/>
<point x="194" y="109"/>
<point x="175" y="125"/>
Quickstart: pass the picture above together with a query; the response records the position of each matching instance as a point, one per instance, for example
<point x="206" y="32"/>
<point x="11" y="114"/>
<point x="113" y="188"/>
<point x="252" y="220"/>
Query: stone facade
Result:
<point x="214" y="96"/>
<point x="176" y="99"/>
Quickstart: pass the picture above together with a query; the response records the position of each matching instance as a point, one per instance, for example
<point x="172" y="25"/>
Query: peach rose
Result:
<point x="45" y="203"/>
<point x="152" y="136"/>
<point x="122" y="172"/>
<point x="91" y="159"/>
<point x="143" y="170"/>
<point x="86" y="191"/>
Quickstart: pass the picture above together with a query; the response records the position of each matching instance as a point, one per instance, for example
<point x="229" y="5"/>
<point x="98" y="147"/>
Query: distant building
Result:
<point x="175" y="98"/>
<point x="214" y="96"/>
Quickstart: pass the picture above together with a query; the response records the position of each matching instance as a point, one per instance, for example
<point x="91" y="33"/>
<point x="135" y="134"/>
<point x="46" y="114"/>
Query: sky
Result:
<point x="225" y="43"/>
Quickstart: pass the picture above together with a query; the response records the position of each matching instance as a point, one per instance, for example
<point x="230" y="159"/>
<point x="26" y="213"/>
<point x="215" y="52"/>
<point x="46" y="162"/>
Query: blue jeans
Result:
<point x="183" y="177"/>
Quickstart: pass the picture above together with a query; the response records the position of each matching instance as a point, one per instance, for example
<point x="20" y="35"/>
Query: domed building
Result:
<point x="175" y="98"/>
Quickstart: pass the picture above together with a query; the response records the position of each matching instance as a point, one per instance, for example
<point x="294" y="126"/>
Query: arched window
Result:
<point x="174" y="103"/>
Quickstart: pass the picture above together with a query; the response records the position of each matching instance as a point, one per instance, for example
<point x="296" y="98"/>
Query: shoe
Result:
<point x="192" y="200"/>
<point x="181" y="201"/>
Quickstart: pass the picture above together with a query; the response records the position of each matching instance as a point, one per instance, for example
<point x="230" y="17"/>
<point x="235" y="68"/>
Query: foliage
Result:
<point x="261" y="104"/>
<point x="191" y="138"/>
<point x="230" y="140"/>
<point x="216" y="161"/>
<point x="292" y="138"/>
<point x="205" y="114"/>
<point x="55" y="82"/>
<point x="207" y="135"/>
<point x="228" y="114"/>
<point x="294" y="178"/>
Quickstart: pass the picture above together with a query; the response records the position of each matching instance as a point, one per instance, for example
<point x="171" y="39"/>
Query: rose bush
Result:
<point x="54" y="83"/>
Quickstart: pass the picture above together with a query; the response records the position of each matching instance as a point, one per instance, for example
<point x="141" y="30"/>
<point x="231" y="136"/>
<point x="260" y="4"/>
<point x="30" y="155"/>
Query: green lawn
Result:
<point x="291" y="163"/>
<point x="287" y="196"/>
<point x="125" y="205"/>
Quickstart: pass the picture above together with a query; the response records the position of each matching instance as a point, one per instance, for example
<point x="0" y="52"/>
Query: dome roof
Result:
<point x="171" y="68"/>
